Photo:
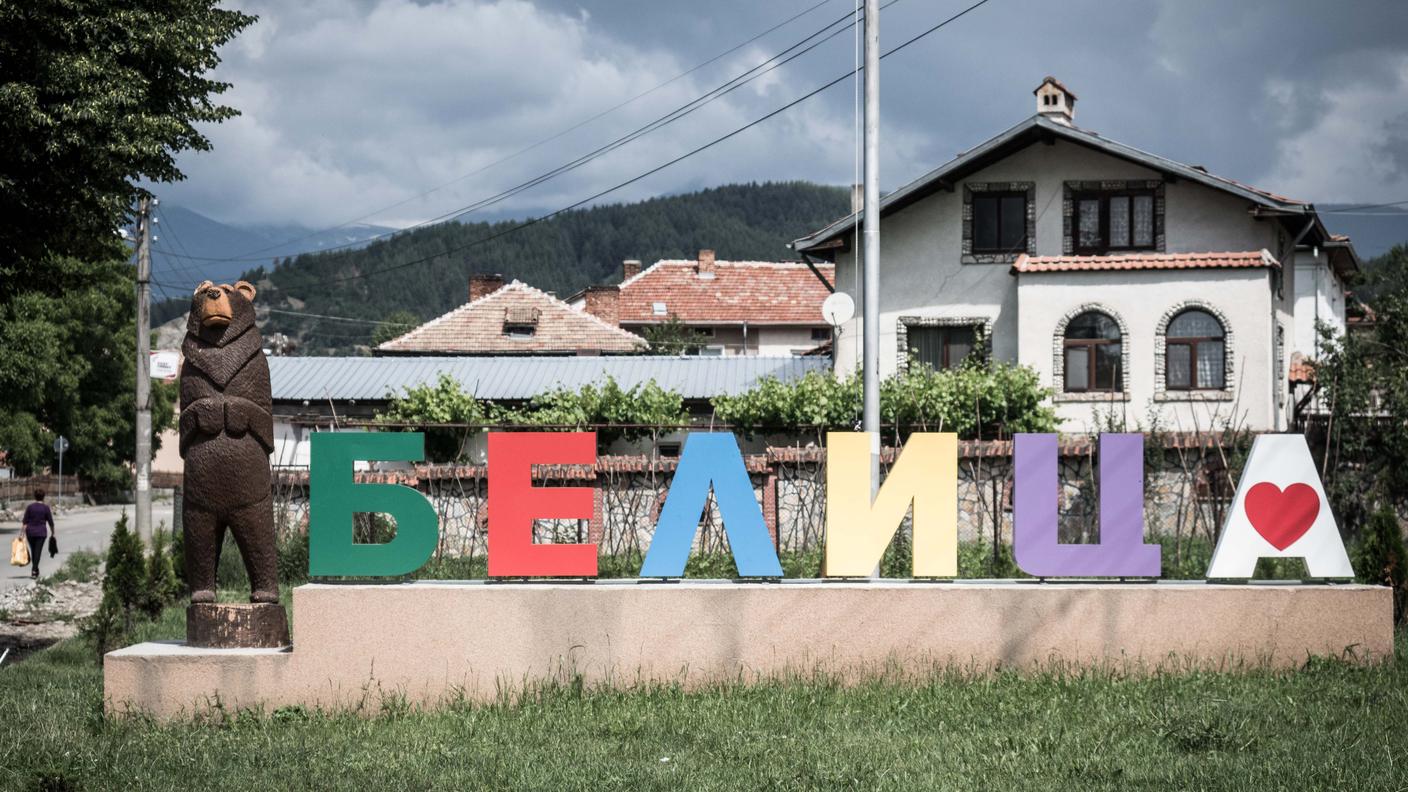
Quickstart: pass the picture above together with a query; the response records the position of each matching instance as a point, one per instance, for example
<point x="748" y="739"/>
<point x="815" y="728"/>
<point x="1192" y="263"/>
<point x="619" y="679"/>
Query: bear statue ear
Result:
<point x="203" y="286"/>
<point x="246" y="288"/>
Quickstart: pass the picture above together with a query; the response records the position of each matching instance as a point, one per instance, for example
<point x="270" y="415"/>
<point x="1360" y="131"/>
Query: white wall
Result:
<point x="1141" y="300"/>
<point x="921" y="246"/>
<point x="1319" y="296"/>
<point x="292" y="444"/>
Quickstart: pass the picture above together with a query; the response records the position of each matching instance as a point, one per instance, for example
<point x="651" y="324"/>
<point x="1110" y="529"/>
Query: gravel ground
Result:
<point x="35" y="616"/>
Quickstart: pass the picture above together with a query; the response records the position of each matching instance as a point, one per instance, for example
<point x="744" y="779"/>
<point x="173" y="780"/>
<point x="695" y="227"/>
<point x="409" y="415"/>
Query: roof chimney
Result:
<point x="603" y="302"/>
<point x="857" y="198"/>
<point x="1055" y="101"/>
<point x="630" y="268"/>
<point x="483" y="285"/>
<point x="705" y="265"/>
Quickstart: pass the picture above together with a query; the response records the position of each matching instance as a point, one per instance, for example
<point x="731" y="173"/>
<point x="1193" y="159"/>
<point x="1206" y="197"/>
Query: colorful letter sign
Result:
<point x="514" y="503"/>
<point x="1280" y="511"/>
<point x="1121" y="551"/>
<point x="711" y="459"/>
<point x="334" y="497"/>
<point x="858" y="529"/>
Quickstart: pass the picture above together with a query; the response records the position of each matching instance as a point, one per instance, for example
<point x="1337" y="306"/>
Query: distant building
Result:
<point x="1129" y="282"/>
<point x="514" y="319"/>
<point x="735" y="307"/>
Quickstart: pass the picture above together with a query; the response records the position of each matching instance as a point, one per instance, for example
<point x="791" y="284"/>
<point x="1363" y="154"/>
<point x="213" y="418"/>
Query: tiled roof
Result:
<point x="1144" y="261"/>
<point x="477" y="328"/>
<point x="1023" y="134"/>
<point x="1058" y="84"/>
<point x="756" y="292"/>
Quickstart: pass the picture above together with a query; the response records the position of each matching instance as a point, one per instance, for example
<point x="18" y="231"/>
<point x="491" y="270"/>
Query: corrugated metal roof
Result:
<point x="509" y="378"/>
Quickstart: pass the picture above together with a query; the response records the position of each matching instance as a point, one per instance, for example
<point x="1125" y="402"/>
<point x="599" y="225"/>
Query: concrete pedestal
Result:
<point x="431" y="641"/>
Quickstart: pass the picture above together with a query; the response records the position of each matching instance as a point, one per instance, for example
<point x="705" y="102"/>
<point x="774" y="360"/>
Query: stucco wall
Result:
<point x="1319" y="296"/>
<point x="1142" y="302"/>
<point x="921" y="247"/>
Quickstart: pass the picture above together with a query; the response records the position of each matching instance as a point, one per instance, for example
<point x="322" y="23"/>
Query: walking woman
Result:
<point x="38" y="524"/>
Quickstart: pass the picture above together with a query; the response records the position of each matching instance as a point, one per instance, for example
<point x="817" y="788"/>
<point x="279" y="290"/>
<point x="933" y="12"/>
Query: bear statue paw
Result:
<point x="204" y="595"/>
<point x="264" y="596"/>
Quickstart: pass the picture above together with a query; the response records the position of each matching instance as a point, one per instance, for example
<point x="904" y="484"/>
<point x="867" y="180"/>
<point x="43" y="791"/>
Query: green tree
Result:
<point x="67" y="366"/>
<point x="1363" y="382"/>
<point x="673" y="337"/>
<point x="96" y="95"/>
<point x="396" y="324"/>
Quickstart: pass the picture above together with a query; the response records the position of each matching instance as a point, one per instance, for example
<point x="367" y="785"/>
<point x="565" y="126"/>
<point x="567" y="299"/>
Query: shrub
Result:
<point x="441" y="403"/>
<point x="976" y="401"/>
<point x="1380" y="558"/>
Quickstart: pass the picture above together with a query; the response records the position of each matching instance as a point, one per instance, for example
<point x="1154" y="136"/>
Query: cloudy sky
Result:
<point x="353" y="108"/>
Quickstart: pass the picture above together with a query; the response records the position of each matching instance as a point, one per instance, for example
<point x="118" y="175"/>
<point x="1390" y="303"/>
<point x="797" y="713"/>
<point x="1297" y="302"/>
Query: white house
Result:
<point x="1130" y="282"/>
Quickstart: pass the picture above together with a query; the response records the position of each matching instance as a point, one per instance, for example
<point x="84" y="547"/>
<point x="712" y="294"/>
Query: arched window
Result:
<point x="1092" y="354"/>
<point x="1195" y="358"/>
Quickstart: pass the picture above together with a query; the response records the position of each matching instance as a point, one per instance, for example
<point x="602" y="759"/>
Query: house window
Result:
<point x="1092" y="349"/>
<point x="942" y="347"/>
<point x="1113" y="221"/>
<point x="1000" y="222"/>
<point x="518" y="330"/>
<point x="1195" y="355"/>
<point x="658" y="308"/>
<point x="821" y="334"/>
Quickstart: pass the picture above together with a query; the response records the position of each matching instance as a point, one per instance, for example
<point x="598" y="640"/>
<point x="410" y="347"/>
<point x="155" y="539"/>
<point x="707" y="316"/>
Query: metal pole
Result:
<point x="60" y="496"/>
<point x="870" y="233"/>
<point x="144" y="380"/>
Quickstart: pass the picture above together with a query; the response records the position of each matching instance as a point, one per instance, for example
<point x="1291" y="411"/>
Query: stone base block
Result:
<point x="430" y="642"/>
<point x="236" y="625"/>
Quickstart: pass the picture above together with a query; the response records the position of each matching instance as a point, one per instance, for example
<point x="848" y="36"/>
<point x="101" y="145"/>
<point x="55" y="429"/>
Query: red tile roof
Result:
<point x="756" y="292"/>
<point x="477" y="328"/>
<point x="1302" y="369"/>
<point x="1144" y="261"/>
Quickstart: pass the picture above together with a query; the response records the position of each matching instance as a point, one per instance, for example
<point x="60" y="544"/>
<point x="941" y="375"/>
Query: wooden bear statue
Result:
<point x="227" y="434"/>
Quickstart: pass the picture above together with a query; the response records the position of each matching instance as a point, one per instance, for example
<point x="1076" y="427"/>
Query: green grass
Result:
<point x="1329" y="725"/>
<point x="81" y="566"/>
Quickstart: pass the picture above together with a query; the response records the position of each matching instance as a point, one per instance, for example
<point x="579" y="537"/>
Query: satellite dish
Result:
<point x="838" y="309"/>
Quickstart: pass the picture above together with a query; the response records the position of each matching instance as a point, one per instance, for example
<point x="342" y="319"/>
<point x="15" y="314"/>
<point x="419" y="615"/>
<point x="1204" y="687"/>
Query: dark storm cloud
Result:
<point x="351" y="106"/>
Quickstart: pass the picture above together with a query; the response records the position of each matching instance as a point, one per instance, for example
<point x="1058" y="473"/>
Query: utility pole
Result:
<point x="144" y="379"/>
<point x="870" y="233"/>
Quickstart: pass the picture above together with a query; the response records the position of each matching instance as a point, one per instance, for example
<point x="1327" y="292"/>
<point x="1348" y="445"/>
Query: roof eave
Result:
<point x="934" y="179"/>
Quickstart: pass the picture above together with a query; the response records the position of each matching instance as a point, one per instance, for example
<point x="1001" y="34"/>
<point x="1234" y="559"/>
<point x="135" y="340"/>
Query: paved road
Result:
<point x="79" y="527"/>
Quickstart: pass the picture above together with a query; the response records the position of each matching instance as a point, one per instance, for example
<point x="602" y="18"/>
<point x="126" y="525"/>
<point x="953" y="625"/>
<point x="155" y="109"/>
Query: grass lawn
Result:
<point x="1327" y="726"/>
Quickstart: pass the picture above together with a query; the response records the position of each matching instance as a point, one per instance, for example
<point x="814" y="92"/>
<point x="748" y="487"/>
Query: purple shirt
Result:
<point x="36" y="517"/>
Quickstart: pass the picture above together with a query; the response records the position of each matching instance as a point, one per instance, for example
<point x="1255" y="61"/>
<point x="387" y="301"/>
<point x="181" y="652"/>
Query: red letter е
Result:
<point x="514" y="503"/>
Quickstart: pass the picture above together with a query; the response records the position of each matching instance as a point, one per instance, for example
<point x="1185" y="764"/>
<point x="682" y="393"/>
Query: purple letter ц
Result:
<point x="1121" y="551"/>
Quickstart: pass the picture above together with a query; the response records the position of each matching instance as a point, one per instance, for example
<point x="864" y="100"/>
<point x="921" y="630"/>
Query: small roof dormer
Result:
<point x="1055" y="101"/>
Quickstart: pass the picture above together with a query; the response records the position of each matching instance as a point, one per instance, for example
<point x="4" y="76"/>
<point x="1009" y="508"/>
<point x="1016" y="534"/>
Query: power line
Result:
<point x="337" y="318"/>
<point x="658" y="168"/>
<point x="727" y="87"/>
<point x="1355" y="209"/>
<point x="551" y="138"/>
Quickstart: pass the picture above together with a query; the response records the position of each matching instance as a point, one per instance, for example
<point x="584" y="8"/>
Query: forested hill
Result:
<point x="562" y="254"/>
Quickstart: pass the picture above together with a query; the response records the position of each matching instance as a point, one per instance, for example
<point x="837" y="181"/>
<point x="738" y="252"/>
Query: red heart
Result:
<point x="1282" y="517"/>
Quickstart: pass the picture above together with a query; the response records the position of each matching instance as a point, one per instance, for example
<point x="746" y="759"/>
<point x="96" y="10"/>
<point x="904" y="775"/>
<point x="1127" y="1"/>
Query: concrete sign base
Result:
<point x="434" y="642"/>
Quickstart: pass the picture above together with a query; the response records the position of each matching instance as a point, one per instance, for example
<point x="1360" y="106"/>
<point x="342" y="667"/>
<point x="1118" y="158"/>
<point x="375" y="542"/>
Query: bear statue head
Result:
<point x="221" y="313"/>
